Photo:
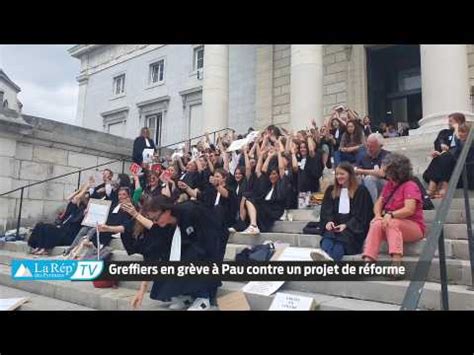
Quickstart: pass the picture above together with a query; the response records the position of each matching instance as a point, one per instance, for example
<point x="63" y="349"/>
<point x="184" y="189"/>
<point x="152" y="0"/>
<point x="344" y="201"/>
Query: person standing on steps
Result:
<point x="398" y="211"/>
<point x="141" y="143"/>
<point x="346" y="213"/>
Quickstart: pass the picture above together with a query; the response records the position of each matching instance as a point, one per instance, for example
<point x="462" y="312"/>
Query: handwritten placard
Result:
<point x="97" y="212"/>
<point x="289" y="302"/>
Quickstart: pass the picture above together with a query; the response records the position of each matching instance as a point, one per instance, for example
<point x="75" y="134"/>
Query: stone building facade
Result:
<point x="241" y="86"/>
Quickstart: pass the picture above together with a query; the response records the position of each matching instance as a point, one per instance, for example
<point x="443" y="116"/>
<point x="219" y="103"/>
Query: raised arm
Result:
<point x="311" y="146"/>
<point x="270" y="155"/>
<point x="258" y="168"/>
<point x="248" y="168"/>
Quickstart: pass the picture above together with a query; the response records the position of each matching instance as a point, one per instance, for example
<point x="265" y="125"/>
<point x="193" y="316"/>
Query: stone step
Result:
<point x="80" y="293"/>
<point x="40" y="303"/>
<point x="324" y="302"/>
<point x="457" y="202"/>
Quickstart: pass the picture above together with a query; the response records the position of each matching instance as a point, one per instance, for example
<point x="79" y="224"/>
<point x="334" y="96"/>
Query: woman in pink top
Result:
<point x="398" y="211"/>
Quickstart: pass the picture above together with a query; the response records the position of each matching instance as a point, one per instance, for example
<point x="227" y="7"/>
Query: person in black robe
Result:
<point x="140" y="144"/>
<point x="310" y="167"/>
<point x="268" y="201"/>
<point x="439" y="170"/>
<point x="344" y="229"/>
<point x="463" y="132"/>
<point x="103" y="191"/>
<point x="201" y="240"/>
<point x="45" y="236"/>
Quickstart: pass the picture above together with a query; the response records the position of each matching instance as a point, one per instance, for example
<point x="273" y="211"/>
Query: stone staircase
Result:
<point x="330" y="295"/>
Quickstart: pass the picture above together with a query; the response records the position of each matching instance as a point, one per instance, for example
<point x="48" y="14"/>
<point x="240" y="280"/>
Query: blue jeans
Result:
<point x="333" y="248"/>
<point x="340" y="157"/>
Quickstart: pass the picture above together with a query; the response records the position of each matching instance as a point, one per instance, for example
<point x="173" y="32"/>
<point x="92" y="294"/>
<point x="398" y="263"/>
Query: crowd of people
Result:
<point x="183" y="205"/>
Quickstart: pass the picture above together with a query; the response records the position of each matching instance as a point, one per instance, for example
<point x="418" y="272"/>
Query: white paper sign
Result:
<point x="148" y="156"/>
<point x="237" y="145"/>
<point x="289" y="302"/>
<point x="296" y="254"/>
<point x="10" y="304"/>
<point x="97" y="212"/>
<point x="344" y="202"/>
<point x="265" y="288"/>
<point x="252" y="136"/>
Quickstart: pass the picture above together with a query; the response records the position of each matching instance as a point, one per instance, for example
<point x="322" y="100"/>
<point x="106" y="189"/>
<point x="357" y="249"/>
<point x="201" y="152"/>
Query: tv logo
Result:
<point x="56" y="269"/>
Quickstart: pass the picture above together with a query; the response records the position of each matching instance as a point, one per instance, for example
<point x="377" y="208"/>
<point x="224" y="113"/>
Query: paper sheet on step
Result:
<point x="283" y="253"/>
<point x="10" y="304"/>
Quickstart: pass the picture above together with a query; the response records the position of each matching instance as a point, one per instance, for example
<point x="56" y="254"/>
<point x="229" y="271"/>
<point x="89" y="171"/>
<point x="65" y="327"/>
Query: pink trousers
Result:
<point x="396" y="232"/>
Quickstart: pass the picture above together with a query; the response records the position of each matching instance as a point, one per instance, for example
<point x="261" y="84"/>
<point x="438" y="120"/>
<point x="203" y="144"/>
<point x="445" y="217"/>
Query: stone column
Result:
<point x="306" y="85"/>
<point x="445" y="85"/>
<point x="83" y="81"/>
<point x="215" y="93"/>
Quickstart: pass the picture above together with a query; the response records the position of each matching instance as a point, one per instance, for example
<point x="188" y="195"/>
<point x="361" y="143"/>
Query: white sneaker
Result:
<point x="320" y="255"/>
<point x="181" y="302"/>
<point x="284" y="216"/>
<point x="232" y="230"/>
<point x="252" y="230"/>
<point x="200" y="304"/>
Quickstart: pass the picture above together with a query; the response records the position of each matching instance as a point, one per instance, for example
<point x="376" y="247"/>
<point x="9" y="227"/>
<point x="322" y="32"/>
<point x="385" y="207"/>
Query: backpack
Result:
<point x="263" y="252"/>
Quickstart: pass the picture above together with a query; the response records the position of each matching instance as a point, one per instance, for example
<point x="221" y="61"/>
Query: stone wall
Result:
<point x="281" y="84"/>
<point x="335" y="78"/>
<point x="36" y="149"/>
<point x="470" y="61"/>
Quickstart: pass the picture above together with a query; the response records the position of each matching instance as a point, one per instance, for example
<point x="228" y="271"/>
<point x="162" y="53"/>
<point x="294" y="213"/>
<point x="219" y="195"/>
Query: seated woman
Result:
<point x="47" y="236"/>
<point x="352" y="144"/>
<point x="268" y="202"/>
<point x="439" y="171"/>
<point x="117" y="222"/>
<point x="309" y="165"/>
<point x="346" y="213"/>
<point x="398" y="211"/>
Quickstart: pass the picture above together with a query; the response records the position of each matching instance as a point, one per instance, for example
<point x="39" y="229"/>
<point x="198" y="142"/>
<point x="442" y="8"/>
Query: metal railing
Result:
<point x="79" y="172"/>
<point x="435" y="238"/>
<point x="190" y="140"/>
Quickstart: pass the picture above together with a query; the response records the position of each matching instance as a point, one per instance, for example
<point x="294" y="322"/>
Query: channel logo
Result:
<point x="27" y="270"/>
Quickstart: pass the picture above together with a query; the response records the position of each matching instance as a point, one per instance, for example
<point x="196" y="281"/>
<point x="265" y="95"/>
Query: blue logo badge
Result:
<point x="56" y="269"/>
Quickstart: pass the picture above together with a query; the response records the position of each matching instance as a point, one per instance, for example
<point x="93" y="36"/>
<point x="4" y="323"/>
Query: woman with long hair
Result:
<point x="195" y="237"/>
<point x="346" y="213"/>
<point x="398" y="211"/>
<point x="438" y="173"/>
<point x="352" y="144"/>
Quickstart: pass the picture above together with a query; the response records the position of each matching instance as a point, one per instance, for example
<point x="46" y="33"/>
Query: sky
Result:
<point x="46" y="75"/>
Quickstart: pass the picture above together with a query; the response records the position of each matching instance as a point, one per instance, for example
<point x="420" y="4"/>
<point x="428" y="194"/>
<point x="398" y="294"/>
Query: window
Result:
<point x="5" y="104"/>
<point x="157" y="71"/>
<point x="117" y="129"/>
<point x="198" y="58"/>
<point x="154" y="124"/>
<point x="119" y="84"/>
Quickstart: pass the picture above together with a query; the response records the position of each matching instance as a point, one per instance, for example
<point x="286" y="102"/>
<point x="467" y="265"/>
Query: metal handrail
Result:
<point x="197" y="137"/>
<point x="64" y="175"/>
<point x="436" y="238"/>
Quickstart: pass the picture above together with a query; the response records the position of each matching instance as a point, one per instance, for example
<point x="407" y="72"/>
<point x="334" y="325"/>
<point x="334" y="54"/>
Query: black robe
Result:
<point x="139" y="145"/>
<point x="268" y="211"/>
<point x="154" y="244"/>
<point x="201" y="240"/>
<point x="121" y="218"/>
<point x="48" y="236"/>
<point x="308" y="178"/>
<point x="357" y="220"/>
<point x="442" y="166"/>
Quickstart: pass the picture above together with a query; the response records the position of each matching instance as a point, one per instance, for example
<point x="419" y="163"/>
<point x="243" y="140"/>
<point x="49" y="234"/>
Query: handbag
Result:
<point x="263" y="252"/>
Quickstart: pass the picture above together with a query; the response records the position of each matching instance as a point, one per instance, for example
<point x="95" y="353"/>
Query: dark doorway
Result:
<point x="394" y="84"/>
